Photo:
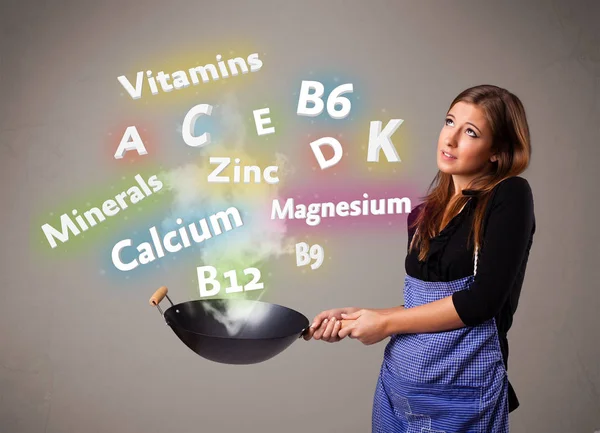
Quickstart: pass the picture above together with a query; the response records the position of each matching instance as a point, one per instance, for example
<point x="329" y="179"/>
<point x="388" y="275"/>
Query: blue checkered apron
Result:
<point x="442" y="382"/>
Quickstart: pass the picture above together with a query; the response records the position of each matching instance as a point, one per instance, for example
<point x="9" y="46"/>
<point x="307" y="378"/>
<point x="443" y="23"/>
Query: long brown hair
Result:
<point x="510" y="141"/>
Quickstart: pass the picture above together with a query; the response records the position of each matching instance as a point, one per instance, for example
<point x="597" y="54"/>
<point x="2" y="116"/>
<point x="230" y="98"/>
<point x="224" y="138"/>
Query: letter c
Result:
<point x="267" y="174"/>
<point x="169" y="245"/>
<point x="189" y="121"/>
<point x="117" y="259"/>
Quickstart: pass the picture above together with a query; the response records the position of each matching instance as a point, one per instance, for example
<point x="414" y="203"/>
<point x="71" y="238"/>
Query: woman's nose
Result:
<point x="451" y="139"/>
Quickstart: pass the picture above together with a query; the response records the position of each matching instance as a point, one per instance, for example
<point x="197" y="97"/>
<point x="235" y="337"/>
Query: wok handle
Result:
<point x="345" y="322"/>
<point x="158" y="296"/>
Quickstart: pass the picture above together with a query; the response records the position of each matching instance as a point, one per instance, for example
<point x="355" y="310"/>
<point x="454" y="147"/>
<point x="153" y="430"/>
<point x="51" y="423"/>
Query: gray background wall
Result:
<point x="81" y="350"/>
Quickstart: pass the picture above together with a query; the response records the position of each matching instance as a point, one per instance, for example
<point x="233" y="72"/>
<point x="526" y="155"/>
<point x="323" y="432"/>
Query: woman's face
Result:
<point x="467" y="137"/>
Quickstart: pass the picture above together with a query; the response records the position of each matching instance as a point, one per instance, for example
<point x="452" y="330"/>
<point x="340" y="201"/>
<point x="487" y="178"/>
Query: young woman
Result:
<point x="445" y="366"/>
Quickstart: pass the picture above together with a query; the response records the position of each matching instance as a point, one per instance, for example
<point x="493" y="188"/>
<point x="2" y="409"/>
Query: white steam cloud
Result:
<point x="259" y="240"/>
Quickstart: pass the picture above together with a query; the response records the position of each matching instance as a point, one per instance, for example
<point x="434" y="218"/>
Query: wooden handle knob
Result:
<point x="158" y="296"/>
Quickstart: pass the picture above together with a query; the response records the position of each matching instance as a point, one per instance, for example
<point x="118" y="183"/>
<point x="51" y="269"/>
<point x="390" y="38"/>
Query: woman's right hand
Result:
<point x="327" y="324"/>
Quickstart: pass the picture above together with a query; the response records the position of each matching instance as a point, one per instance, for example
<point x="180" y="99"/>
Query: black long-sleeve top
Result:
<point x="509" y="226"/>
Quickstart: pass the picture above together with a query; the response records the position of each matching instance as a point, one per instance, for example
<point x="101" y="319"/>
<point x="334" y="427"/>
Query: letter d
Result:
<point x="337" y="151"/>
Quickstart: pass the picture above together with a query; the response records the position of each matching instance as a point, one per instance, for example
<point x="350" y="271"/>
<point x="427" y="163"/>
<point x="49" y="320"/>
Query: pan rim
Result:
<point x="300" y="332"/>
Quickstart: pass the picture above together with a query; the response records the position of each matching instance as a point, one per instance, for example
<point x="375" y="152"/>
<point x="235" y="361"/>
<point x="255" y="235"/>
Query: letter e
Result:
<point x="259" y="121"/>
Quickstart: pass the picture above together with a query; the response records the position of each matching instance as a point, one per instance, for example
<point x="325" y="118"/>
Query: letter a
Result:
<point x="131" y="140"/>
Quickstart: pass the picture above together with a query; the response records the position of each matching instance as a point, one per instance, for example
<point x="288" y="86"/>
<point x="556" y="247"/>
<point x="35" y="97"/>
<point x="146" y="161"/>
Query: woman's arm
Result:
<point x="504" y="251"/>
<point x="433" y="317"/>
<point x="388" y="310"/>
<point x="506" y="241"/>
<point x="371" y="325"/>
<point x="503" y="255"/>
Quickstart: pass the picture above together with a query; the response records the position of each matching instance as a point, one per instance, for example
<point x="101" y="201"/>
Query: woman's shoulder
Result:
<point x="512" y="189"/>
<point x="512" y="199"/>
<point x="514" y="184"/>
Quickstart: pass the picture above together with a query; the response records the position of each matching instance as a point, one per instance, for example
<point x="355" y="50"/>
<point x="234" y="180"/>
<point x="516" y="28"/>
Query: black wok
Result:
<point x="233" y="331"/>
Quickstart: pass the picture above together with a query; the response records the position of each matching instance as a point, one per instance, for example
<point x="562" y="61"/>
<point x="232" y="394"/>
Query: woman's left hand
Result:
<point x="367" y="326"/>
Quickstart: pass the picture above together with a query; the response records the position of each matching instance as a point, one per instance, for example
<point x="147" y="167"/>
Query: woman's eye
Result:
<point x="472" y="133"/>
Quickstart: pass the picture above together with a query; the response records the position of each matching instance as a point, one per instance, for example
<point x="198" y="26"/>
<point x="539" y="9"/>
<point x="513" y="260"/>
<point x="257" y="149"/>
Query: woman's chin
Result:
<point x="444" y="168"/>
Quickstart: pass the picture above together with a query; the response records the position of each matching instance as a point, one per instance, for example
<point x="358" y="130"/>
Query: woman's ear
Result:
<point x="494" y="158"/>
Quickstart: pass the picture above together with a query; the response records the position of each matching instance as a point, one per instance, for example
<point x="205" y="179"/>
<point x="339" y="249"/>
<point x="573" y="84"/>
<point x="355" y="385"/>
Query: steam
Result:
<point x="237" y="315"/>
<point x="259" y="240"/>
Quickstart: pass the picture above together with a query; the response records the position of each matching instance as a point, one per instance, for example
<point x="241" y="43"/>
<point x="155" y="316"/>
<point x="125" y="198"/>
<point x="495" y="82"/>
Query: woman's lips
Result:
<point x="447" y="156"/>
